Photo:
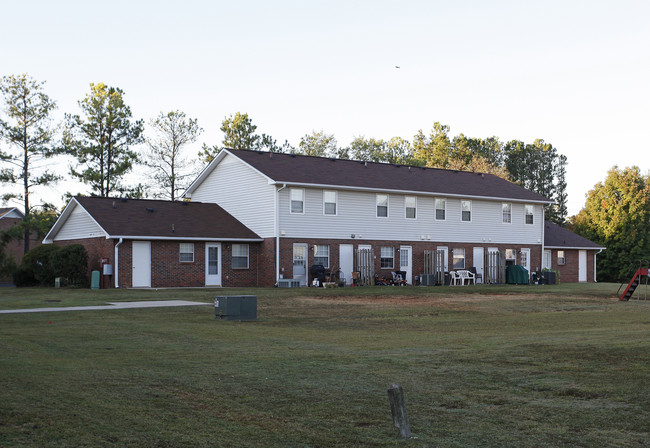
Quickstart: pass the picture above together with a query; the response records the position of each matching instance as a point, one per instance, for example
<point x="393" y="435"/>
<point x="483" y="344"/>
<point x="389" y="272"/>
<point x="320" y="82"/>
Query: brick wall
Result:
<point x="16" y="249"/>
<point x="97" y="249"/>
<point x="569" y="270"/>
<point x="418" y="248"/>
<point x="168" y="271"/>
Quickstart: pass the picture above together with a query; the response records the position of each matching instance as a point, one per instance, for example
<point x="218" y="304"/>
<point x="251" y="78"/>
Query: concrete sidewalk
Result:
<point x="110" y="306"/>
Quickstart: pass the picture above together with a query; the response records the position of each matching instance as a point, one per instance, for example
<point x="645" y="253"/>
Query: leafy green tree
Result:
<point x="434" y="150"/>
<point x="617" y="216"/>
<point x="540" y="168"/>
<point x="318" y="143"/>
<point x="396" y="150"/>
<point x="101" y="139"/>
<point x="28" y="132"/>
<point x="171" y="169"/>
<point x="239" y="132"/>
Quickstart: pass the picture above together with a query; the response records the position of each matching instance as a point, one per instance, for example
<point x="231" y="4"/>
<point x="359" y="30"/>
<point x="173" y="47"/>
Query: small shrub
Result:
<point x="71" y="262"/>
<point x="24" y="277"/>
<point x="36" y="263"/>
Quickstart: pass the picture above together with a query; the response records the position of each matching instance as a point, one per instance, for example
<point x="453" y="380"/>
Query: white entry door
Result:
<point x="445" y="259"/>
<point x="213" y="264"/>
<point x="582" y="266"/>
<point x="524" y="257"/>
<point x="300" y="263"/>
<point x="141" y="264"/>
<point x="346" y="262"/>
<point x="478" y="259"/>
<point x="406" y="262"/>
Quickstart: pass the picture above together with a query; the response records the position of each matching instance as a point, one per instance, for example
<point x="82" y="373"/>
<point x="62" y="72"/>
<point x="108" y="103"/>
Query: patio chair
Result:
<point x="398" y="279"/>
<point x="454" y="278"/>
<point x="466" y="276"/>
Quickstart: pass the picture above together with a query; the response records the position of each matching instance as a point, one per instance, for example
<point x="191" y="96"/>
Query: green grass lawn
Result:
<point x="564" y="365"/>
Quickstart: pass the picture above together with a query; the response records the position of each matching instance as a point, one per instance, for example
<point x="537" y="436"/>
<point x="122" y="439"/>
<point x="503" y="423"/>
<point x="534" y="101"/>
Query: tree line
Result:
<point x="105" y="143"/>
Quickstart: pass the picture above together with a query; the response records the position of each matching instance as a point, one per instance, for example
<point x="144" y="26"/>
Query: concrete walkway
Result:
<point x="110" y="306"/>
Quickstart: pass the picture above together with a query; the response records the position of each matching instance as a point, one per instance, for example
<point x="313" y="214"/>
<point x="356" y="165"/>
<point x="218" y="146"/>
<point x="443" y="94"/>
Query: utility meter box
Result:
<point x="242" y="308"/>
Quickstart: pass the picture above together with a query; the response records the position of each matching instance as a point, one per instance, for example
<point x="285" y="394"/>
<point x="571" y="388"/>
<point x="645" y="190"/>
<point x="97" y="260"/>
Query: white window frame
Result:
<point x="336" y="202"/>
<point x="292" y="200"/>
<point x="325" y="249"/>
<point x="458" y="253"/>
<point x="506" y="213"/>
<point x="414" y="207"/>
<point x="444" y="209"/>
<point x="529" y="210"/>
<point x="561" y="260"/>
<point x="240" y="256"/>
<point x="463" y="202"/>
<point x="513" y="253"/>
<point x="377" y="196"/>
<point x="383" y="256"/>
<point x="184" y="249"/>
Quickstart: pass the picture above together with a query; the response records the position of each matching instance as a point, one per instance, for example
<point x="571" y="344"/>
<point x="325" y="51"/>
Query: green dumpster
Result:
<point x="516" y="275"/>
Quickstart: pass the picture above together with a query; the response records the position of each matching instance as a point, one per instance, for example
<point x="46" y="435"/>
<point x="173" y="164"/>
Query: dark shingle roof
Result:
<point x="299" y="169"/>
<point x="556" y="236"/>
<point x="164" y="219"/>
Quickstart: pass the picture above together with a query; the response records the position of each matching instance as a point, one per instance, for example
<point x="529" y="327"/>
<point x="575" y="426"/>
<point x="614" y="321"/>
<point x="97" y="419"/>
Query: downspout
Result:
<point x="277" y="233"/>
<point x="117" y="262"/>
<point x="543" y="229"/>
<point x="595" y="255"/>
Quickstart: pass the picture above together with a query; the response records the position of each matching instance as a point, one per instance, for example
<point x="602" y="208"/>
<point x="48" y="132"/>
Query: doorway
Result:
<point x="141" y="264"/>
<point x="346" y="262"/>
<point x="213" y="264"/>
<point x="300" y="263"/>
<point x="406" y="263"/>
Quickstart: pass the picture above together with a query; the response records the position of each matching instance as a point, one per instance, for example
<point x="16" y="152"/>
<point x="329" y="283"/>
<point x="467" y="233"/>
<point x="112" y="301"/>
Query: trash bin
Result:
<point x="241" y="308"/>
<point x="516" y="275"/>
<point x="94" y="280"/>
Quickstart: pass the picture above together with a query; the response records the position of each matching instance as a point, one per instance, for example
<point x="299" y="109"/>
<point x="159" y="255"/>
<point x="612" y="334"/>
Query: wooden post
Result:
<point x="398" y="409"/>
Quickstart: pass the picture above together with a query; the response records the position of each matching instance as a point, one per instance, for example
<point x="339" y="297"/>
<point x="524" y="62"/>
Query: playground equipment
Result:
<point x="638" y="278"/>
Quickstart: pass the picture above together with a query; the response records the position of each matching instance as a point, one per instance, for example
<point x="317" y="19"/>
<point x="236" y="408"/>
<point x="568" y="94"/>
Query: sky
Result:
<point x="574" y="73"/>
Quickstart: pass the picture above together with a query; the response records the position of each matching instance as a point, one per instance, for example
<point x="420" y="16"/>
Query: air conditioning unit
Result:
<point x="288" y="283"/>
<point x="428" y="280"/>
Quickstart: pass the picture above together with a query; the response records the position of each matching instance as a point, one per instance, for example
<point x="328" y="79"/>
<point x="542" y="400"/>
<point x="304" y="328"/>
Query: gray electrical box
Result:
<point x="243" y="308"/>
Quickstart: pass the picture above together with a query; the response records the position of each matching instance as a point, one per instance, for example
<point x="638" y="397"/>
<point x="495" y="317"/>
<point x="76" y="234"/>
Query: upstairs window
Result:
<point x="297" y="200"/>
<point x="387" y="258"/>
<point x="322" y="255"/>
<point x="466" y="211"/>
<point x="329" y="202"/>
<point x="186" y="252"/>
<point x="506" y="213"/>
<point x="240" y="256"/>
<point x="441" y="206"/>
<point x="382" y="206"/>
<point x="529" y="211"/>
<point x="410" y="204"/>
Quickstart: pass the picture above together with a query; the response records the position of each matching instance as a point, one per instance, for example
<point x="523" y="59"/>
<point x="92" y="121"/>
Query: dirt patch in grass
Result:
<point x="392" y="300"/>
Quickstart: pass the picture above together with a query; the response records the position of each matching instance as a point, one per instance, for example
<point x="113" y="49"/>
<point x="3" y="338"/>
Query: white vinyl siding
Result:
<point x="79" y="225"/>
<point x="242" y="192"/>
<point x="356" y="214"/>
